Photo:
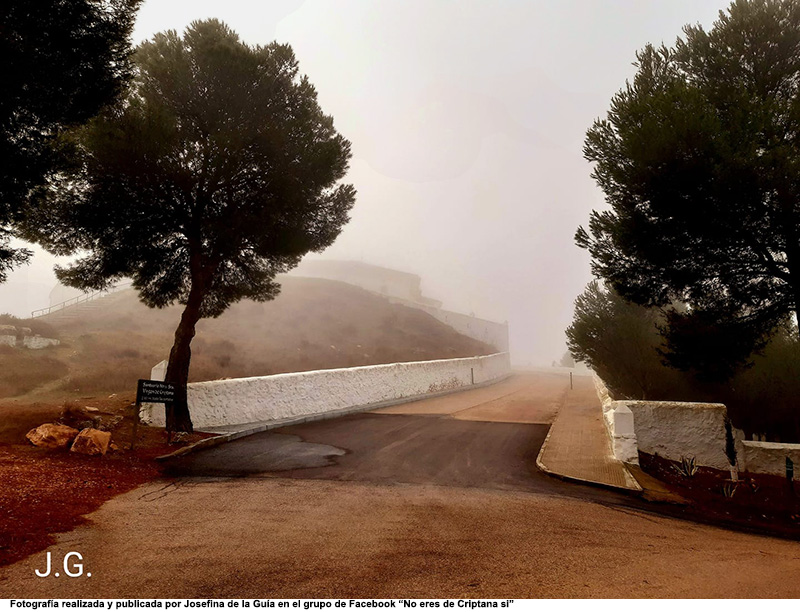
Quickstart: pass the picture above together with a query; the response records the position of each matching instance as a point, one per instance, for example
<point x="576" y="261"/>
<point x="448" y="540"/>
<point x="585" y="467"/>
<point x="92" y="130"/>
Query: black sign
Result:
<point x="155" y="392"/>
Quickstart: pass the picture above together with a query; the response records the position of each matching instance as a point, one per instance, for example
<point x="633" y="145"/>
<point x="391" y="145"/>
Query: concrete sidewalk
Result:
<point x="578" y="448"/>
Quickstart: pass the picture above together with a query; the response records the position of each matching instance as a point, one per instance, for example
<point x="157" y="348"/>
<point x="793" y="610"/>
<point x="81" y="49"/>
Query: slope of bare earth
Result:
<point x="108" y="344"/>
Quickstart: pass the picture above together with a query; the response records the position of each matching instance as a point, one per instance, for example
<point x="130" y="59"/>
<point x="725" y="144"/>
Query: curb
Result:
<point x="638" y="491"/>
<point x="254" y="428"/>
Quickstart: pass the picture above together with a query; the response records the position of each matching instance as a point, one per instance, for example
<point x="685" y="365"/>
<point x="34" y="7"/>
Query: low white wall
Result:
<point x="683" y="429"/>
<point x="265" y="398"/>
<point x="37" y="342"/>
<point x="680" y="429"/>
<point x="28" y="341"/>
<point x="770" y="457"/>
<point x="669" y="429"/>
<point x="492" y="333"/>
<point x="618" y="420"/>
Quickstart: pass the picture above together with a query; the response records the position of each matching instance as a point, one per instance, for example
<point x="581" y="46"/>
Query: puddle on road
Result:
<point x="256" y="454"/>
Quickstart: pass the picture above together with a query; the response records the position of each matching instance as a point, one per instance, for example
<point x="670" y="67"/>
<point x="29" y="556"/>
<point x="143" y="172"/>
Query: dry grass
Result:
<point x="22" y="371"/>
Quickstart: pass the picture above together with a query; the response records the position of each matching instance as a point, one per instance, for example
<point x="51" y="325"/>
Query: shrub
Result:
<point x="621" y="342"/>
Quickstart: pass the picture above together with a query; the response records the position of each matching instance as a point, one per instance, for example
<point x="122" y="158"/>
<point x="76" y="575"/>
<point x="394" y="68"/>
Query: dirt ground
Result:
<point x="45" y="492"/>
<point x="757" y="501"/>
<point x="395" y="517"/>
<point x="276" y="537"/>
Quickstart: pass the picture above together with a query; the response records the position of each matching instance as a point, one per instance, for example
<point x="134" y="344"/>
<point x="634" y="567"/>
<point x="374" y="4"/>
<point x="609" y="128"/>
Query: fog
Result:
<point x="467" y="121"/>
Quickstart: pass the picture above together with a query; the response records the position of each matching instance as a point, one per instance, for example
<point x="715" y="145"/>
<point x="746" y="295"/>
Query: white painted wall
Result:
<point x="680" y="429"/>
<point x="265" y="398"/>
<point x="618" y="419"/>
<point x="37" y="342"/>
<point x="670" y="429"/>
<point x="490" y="332"/>
<point x="31" y="342"/>
<point x="770" y="457"/>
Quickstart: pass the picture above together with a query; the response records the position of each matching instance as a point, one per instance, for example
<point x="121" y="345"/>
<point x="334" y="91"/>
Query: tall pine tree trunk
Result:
<point x="178" y="418"/>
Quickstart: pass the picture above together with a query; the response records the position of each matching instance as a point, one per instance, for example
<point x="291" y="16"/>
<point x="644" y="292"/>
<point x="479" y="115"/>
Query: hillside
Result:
<point x="314" y="324"/>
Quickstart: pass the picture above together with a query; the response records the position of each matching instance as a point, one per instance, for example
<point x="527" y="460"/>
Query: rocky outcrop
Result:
<point x="52" y="436"/>
<point x="37" y="342"/>
<point x="91" y="442"/>
<point x="83" y="417"/>
<point x="11" y="335"/>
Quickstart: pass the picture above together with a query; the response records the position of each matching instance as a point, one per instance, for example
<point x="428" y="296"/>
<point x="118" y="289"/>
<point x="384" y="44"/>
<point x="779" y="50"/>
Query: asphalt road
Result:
<point x="393" y="449"/>
<point x="431" y="503"/>
<point x="486" y="438"/>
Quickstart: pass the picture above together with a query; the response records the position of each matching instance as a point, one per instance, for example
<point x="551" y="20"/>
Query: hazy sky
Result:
<point x="467" y="121"/>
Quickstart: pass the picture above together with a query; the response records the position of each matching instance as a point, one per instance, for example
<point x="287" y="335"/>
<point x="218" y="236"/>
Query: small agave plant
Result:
<point x="687" y="466"/>
<point x="729" y="489"/>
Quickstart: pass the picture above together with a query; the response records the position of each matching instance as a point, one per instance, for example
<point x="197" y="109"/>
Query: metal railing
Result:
<point x="80" y="299"/>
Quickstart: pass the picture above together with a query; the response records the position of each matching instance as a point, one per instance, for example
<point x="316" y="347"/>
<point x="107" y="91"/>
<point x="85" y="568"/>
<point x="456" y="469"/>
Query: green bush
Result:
<point x="622" y="343"/>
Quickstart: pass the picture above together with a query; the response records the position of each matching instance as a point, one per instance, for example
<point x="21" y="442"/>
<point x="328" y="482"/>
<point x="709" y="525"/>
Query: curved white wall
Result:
<point x="264" y="398"/>
<point x="681" y="429"/>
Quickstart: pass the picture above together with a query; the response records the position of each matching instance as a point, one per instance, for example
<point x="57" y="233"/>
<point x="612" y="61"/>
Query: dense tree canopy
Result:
<point x="618" y="340"/>
<point x="62" y="61"/>
<point x="699" y="159"/>
<point x="622" y="343"/>
<point x="218" y="172"/>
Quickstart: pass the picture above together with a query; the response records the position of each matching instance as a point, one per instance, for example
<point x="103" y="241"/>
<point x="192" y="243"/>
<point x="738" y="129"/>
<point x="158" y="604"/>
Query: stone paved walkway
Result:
<point x="578" y="448"/>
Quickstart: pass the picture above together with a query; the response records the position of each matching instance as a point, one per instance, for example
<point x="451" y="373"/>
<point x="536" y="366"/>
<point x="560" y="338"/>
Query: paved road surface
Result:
<point x="431" y="503"/>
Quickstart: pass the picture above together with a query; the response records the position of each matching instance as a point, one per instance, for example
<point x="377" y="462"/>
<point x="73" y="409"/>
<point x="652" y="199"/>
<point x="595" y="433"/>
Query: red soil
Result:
<point x="759" y="502"/>
<point x="47" y="492"/>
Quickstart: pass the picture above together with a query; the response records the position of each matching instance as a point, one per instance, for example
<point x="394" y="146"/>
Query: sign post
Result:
<point x="137" y="407"/>
<point x="151" y="392"/>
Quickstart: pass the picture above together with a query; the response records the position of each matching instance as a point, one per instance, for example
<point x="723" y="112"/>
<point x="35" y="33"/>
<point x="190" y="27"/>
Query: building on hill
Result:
<point x="399" y="287"/>
<point x="388" y="282"/>
<point x="405" y="288"/>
